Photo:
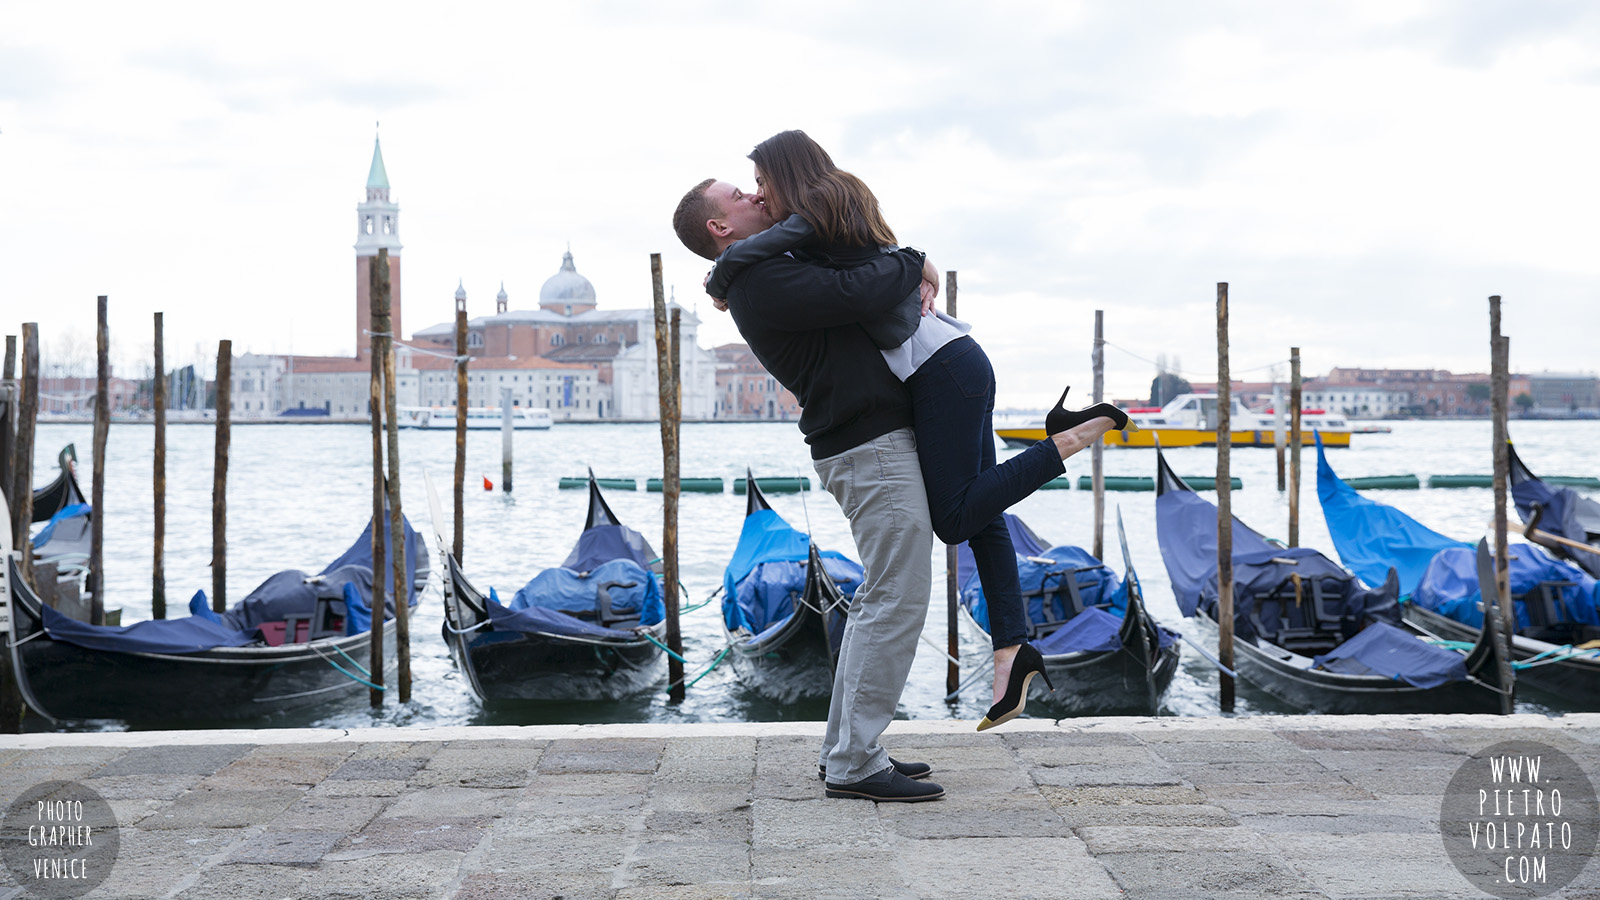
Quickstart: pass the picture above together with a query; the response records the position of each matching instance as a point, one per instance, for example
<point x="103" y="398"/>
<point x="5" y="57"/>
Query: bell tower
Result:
<point x="377" y="227"/>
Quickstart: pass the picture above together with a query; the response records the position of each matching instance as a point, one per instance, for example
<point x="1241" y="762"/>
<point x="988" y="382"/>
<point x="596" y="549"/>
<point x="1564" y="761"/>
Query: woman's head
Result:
<point x="795" y="175"/>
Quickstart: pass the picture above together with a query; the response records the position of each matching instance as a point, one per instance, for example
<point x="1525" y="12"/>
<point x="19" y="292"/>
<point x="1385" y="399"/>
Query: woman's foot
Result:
<point x="1025" y="663"/>
<point x="1062" y="419"/>
<point x="1002" y="669"/>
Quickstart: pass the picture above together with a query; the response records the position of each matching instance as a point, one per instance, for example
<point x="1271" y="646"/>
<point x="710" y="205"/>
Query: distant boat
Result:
<point x="1104" y="653"/>
<point x="1190" y="421"/>
<point x="479" y="418"/>
<point x="1306" y="631"/>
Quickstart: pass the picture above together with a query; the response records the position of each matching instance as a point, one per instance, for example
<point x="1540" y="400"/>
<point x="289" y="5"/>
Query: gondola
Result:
<point x="1306" y="631"/>
<point x="1549" y="510"/>
<point x="589" y="629"/>
<point x="1555" y="601"/>
<point x="784" y="606"/>
<point x="1103" y="652"/>
<point x="64" y="541"/>
<point x="297" y="641"/>
<point x="60" y="493"/>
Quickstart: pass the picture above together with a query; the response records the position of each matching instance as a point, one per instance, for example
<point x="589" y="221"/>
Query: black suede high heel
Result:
<point x="1060" y="419"/>
<point x="1027" y="664"/>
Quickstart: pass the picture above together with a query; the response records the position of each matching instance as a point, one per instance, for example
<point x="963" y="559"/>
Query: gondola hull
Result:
<point x="793" y="664"/>
<point x="60" y="680"/>
<point x="1572" y="683"/>
<point x="521" y="666"/>
<point x="1289" y="677"/>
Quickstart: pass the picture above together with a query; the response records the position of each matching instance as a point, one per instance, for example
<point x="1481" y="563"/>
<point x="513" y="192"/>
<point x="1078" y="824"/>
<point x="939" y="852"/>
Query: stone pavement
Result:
<point x="1303" y="807"/>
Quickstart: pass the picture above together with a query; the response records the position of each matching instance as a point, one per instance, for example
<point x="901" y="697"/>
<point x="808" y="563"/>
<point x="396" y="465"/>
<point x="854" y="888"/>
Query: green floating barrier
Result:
<point x="1209" y="482"/>
<point x="1057" y="484"/>
<point x="613" y="484"/>
<point x="775" y="485"/>
<point x="693" y="485"/>
<point x="1583" y="481"/>
<point x="1385" y="482"/>
<point x="1460" y="481"/>
<point x="1119" y="483"/>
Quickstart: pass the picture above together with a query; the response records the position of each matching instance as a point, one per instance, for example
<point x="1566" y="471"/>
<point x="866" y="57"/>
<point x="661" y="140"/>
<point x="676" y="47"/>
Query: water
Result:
<point x="300" y="494"/>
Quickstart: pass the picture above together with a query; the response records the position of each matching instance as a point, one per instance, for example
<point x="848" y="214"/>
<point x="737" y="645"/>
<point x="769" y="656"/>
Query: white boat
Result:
<point x="479" y="418"/>
<point x="1190" y="420"/>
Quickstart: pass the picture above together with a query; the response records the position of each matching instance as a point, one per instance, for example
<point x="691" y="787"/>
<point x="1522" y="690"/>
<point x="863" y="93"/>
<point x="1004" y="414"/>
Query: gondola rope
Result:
<point x="668" y="650"/>
<point x="345" y="672"/>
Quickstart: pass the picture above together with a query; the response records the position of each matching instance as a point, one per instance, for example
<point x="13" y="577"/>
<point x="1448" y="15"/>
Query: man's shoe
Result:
<point x="888" y="786"/>
<point x="908" y="769"/>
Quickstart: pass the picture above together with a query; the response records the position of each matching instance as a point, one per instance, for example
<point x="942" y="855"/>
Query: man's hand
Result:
<point x="720" y="304"/>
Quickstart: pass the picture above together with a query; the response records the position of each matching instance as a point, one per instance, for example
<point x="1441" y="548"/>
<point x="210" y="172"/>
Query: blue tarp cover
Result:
<point x="1382" y="649"/>
<point x="1567" y="513"/>
<point x="541" y="620"/>
<point x="1093" y="629"/>
<point x="281" y="595"/>
<point x="49" y="530"/>
<point x="1449" y="587"/>
<point x="562" y="590"/>
<point x="1371" y="536"/>
<point x="768" y="570"/>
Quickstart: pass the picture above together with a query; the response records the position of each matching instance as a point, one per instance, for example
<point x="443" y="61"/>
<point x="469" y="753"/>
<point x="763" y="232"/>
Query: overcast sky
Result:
<point x="1364" y="175"/>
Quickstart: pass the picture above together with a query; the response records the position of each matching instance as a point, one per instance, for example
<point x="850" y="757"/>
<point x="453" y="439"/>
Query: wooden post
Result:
<point x="219" y="479"/>
<point x="1294" y="446"/>
<point x="158" y="403"/>
<point x="97" y="491"/>
<point x="397" y="530"/>
<point x="952" y="583"/>
<point x="1224" y="501"/>
<point x="1097" y="464"/>
<point x="376" y="324"/>
<point x="507" y="432"/>
<point x="1277" y="429"/>
<point x="461" y="419"/>
<point x="667" y="389"/>
<point x="12" y="708"/>
<point x="27" y="421"/>
<point x="1499" y="377"/>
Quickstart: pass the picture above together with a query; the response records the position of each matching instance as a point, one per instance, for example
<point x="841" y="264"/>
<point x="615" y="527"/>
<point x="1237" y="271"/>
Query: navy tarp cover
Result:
<point x="603" y="543"/>
<point x="768" y="570"/>
<point x="1371" y="537"/>
<point x="542" y="620"/>
<point x="190" y="634"/>
<point x="1097" y="586"/>
<point x="281" y="595"/>
<point x="1566" y="514"/>
<point x="1449" y="587"/>
<point x="1091" y="630"/>
<point x="562" y="590"/>
<point x="1382" y="649"/>
<point x="1186" y="528"/>
<point x="360" y="554"/>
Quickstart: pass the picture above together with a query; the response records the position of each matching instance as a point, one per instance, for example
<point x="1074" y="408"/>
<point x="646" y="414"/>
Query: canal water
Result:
<point x="299" y="494"/>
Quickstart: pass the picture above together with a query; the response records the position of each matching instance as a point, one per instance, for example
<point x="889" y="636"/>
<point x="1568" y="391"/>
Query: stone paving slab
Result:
<point x="1321" y="808"/>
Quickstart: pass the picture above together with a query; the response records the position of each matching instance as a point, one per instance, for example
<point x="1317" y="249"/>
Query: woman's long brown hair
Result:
<point x="800" y="177"/>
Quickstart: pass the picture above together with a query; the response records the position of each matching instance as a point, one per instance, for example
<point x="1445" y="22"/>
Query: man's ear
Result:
<point x="719" y="228"/>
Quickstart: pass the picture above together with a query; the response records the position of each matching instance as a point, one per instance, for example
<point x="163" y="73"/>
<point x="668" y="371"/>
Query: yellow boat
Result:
<point x="1184" y="423"/>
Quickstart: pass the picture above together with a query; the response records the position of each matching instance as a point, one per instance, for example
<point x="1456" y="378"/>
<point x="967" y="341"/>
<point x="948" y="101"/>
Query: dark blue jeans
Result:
<point x="953" y="411"/>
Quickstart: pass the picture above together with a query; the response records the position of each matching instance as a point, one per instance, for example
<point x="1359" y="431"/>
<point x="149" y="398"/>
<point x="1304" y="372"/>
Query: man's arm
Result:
<point x="775" y="241"/>
<point x="794" y="296"/>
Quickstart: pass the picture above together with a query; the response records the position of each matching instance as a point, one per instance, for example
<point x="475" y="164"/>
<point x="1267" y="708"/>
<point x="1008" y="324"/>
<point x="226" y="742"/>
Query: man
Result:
<point x="802" y="322"/>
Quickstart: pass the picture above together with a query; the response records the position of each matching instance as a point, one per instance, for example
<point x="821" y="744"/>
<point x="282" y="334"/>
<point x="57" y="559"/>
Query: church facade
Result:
<point x="567" y="355"/>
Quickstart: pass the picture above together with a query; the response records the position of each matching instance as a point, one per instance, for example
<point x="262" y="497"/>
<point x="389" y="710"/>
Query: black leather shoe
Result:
<point x="908" y="769"/>
<point x="1061" y="419"/>
<point x="888" y="786"/>
<point x="1027" y="664"/>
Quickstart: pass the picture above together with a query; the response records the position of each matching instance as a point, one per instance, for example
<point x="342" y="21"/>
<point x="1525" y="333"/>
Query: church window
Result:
<point x="388" y="224"/>
<point x="557" y="340"/>
<point x="580" y="338"/>
<point x="600" y="338"/>
<point x="475" y="339"/>
<point x="366" y="224"/>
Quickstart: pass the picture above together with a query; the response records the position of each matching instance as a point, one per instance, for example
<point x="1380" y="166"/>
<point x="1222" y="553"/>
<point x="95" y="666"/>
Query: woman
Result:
<point x="830" y="216"/>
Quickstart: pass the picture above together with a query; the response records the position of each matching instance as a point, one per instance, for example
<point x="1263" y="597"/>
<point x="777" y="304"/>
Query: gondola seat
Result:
<point x="1061" y="599"/>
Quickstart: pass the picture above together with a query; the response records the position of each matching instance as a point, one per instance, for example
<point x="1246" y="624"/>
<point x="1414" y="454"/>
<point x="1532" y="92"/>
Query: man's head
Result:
<point x="714" y="214"/>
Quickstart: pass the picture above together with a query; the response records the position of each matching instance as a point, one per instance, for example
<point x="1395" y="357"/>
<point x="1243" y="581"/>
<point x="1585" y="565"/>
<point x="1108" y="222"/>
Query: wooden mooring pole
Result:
<point x="1294" y="446"/>
<point x="666" y="381"/>
<point x="377" y="269"/>
<point x="952" y="584"/>
<point x="12" y="708"/>
<point x="461" y="417"/>
<point x="219" y="479"/>
<point x="397" y="531"/>
<point x="102" y="431"/>
<point x="1277" y="430"/>
<point x="1224" y="502"/>
<point x="158" y="405"/>
<point x="1499" y="378"/>
<point x="27" y="423"/>
<point x="507" y="439"/>
<point x="1097" y="465"/>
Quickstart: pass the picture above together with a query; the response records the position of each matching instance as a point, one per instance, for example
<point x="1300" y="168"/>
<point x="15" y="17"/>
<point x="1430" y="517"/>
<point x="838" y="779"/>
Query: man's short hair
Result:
<point x="694" y="210"/>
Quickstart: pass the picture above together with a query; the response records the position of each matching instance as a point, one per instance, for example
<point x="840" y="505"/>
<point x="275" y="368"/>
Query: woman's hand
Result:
<point x="930" y="285"/>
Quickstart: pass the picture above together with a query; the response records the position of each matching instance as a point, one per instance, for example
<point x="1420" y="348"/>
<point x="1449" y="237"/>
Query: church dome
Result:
<point x="567" y="286"/>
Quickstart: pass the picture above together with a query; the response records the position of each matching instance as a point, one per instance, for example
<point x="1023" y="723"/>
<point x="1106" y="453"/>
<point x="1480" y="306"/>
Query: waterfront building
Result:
<point x="746" y="390"/>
